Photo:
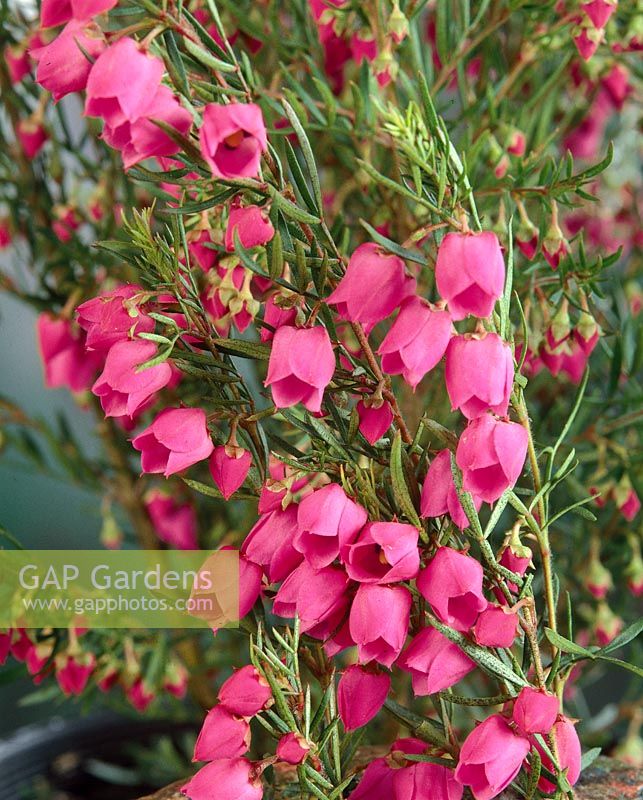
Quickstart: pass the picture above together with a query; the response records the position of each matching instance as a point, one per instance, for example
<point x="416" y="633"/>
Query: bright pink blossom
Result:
<point x="5" y="645"/>
<point x="327" y="522"/>
<point x="479" y="374"/>
<point x="384" y="552"/>
<point x="222" y="735"/>
<point x="452" y="584"/>
<point x="62" y="350"/>
<point x="439" y="495"/>
<point x="177" y="439"/>
<point x="535" y="710"/>
<point x="379" y="622"/>
<point x="175" y="523"/>
<point x="252" y="226"/>
<point x="301" y="366"/>
<point x="318" y="597"/>
<point x="198" y="241"/>
<point x="32" y="136"/>
<point x="374" y="285"/>
<point x="276" y="315"/>
<point x="374" y="421"/>
<point x="232" y="138"/>
<point x="58" y="12"/>
<point x="292" y="748"/>
<point x="245" y="693"/>
<point x="229" y="467"/>
<point x="5" y="234"/>
<point x="434" y="662"/>
<point x="361" y="693"/>
<point x="416" y="341"/>
<point x="587" y="39"/>
<point x="122" y="387"/>
<point x="225" y="779"/>
<point x="17" y="61"/>
<point x="569" y="754"/>
<point x="140" y="695"/>
<point x="599" y="11"/>
<point x="491" y="454"/>
<point x="490" y="758"/>
<point x="270" y="543"/>
<point x="73" y="672"/>
<point x="62" y="66"/>
<point x="470" y="273"/>
<point x="424" y="781"/>
<point x="114" y="316"/>
<point x="496" y="627"/>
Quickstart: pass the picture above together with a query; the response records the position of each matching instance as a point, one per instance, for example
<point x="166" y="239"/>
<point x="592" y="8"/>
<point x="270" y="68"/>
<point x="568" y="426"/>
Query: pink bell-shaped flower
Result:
<point x="491" y="454"/>
<point x="234" y="779"/>
<point x="439" y="495"/>
<point x="177" y="439"/>
<point x="379" y="622"/>
<point x="222" y="735"/>
<point x="384" y="552"/>
<point x="245" y="693"/>
<point x="361" y="693"/>
<point x="251" y="225"/>
<point x="270" y="543"/>
<point x="175" y="523"/>
<point x="374" y="420"/>
<point x="496" y="626"/>
<point x="114" y="316"/>
<point x="229" y="467"/>
<point x="434" y="662"/>
<point x="58" y="12"/>
<point x="62" y="349"/>
<point x="232" y="138"/>
<point x="535" y="711"/>
<point x="424" y="781"/>
<point x="569" y="754"/>
<point x="292" y="748"/>
<point x="470" y="273"/>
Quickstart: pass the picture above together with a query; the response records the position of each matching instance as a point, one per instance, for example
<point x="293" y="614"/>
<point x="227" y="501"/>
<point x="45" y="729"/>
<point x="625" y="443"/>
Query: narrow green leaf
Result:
<point x="566" y="645"/>
<point x="400" y="488"/>
<point x="308" y="153"/>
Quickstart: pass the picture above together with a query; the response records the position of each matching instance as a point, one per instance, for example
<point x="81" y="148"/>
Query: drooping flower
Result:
<point x="58" y="12"/>
<point x="63" y="67"/>
<point x="327" y="522"/>
<point x="228" y="297"/>
<point x="379" y="622"/>
<point x="439" y="495"/>
<point x="569" y="754"/>
<point x="599" y="11"/>
<point x="175" y="523"/>
<point x="122" y="387"/>
<point x="229" y="467"/>
<point x="222" y="735"/>
<point x="416" y="341"/>
<point x="496" y="626"/>
<point x="292" y="748"/>
<point x="114" y="316"/>
<point x="384" y="552"/>
<point x="479" y="374"/>
<point x="177" y="439"/>
<point x="374" y="420"/>
<point x="32" y="136"/>
<point x="535" y="711"/>
<point x="17" y="61"/>
<point x="434" y="662"/>
<point x="424" y="781"/>
<point x="301" y="366"/>
<point x="361" y="693"/>
<point x="73" y="672"/>
<point x="251" y="224"/>
<point x="491" y="757"/>
<point x="64" y="359"/>
<point x="276" y="315"/>
<point x="452" y="584"/>
<point x="232" y="138"/>
<point x="234" y="779"/>
<point x="470" y="273"/>
<point x="491" y="454"/>
<point x="270" y="543"/>
<point x="245" y="693"/>
<point x="374" y="285"/>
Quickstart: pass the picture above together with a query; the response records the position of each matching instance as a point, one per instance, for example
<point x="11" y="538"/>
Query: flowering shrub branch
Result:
<point x="337" y="260"/>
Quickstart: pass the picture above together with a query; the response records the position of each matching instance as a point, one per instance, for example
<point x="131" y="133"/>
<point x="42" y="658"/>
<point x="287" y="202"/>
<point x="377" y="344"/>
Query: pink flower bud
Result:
<point x="599" y="11"/>
<point x="380" y="636"/>
<point x="301" y="366"/>
<point x="122" y="387"/>
<point x="62" y="66"/>
<point x="175" y="680"/>
<point x="229" y="467"/>
<point x="472" y="387"/>
<point x="527" y="239"/>
<point x="374" y="285"/>
<point x="374" y="421"/>
<point x="5" y="234"/>
<point x="491" y="454"/>
<point x="515" y="556"/>
<point x="319" y="597"/>
<point x="32" y="136"/>
<point x="496" y="627"/>
<point x="227" y="779"/>
<point x="62" y="350"/>
<point x="198" y="241"/>
<point x="276" y="316"/>
<point x="361" y="693"/>
<point x="587" y="39"/>
<point x="596" y="578"/>
<point x="140" y="695"/>
<point x="439" y="495"/>
<point x="569" y="754"/>
<point x="607" y="625"/>
<point x="73" y="672"/>
<point x="470" y="273"/>
<point x="634" y="574"/>
<point x="251" y="225"/>
<point x="17" y="62"/>
<point x="270" y="543"/>
<point x="114" y="316"/>
<point x="177" y="439"/>
<point x="617" y="85"/>
<point x="535" y="711"/>
<point x="434" y="662"/>
<point x="587" y="332"/>
<point x="327" y="521"/>
<point x="424" y="781"/>
<point x="245" y="693"/>
<point x="490" y="758"/>
<point x="175" y="523"/>
<point x="232" y="138"/>
<point x="292" y="748"/>
<point x="626" y="498"/>
<point x="384" y="552"/>
<point x="21" y="644"/>
<point x="452" y="584"/>
<point x="416" y="341"/>
<point x="222" y="735"/>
